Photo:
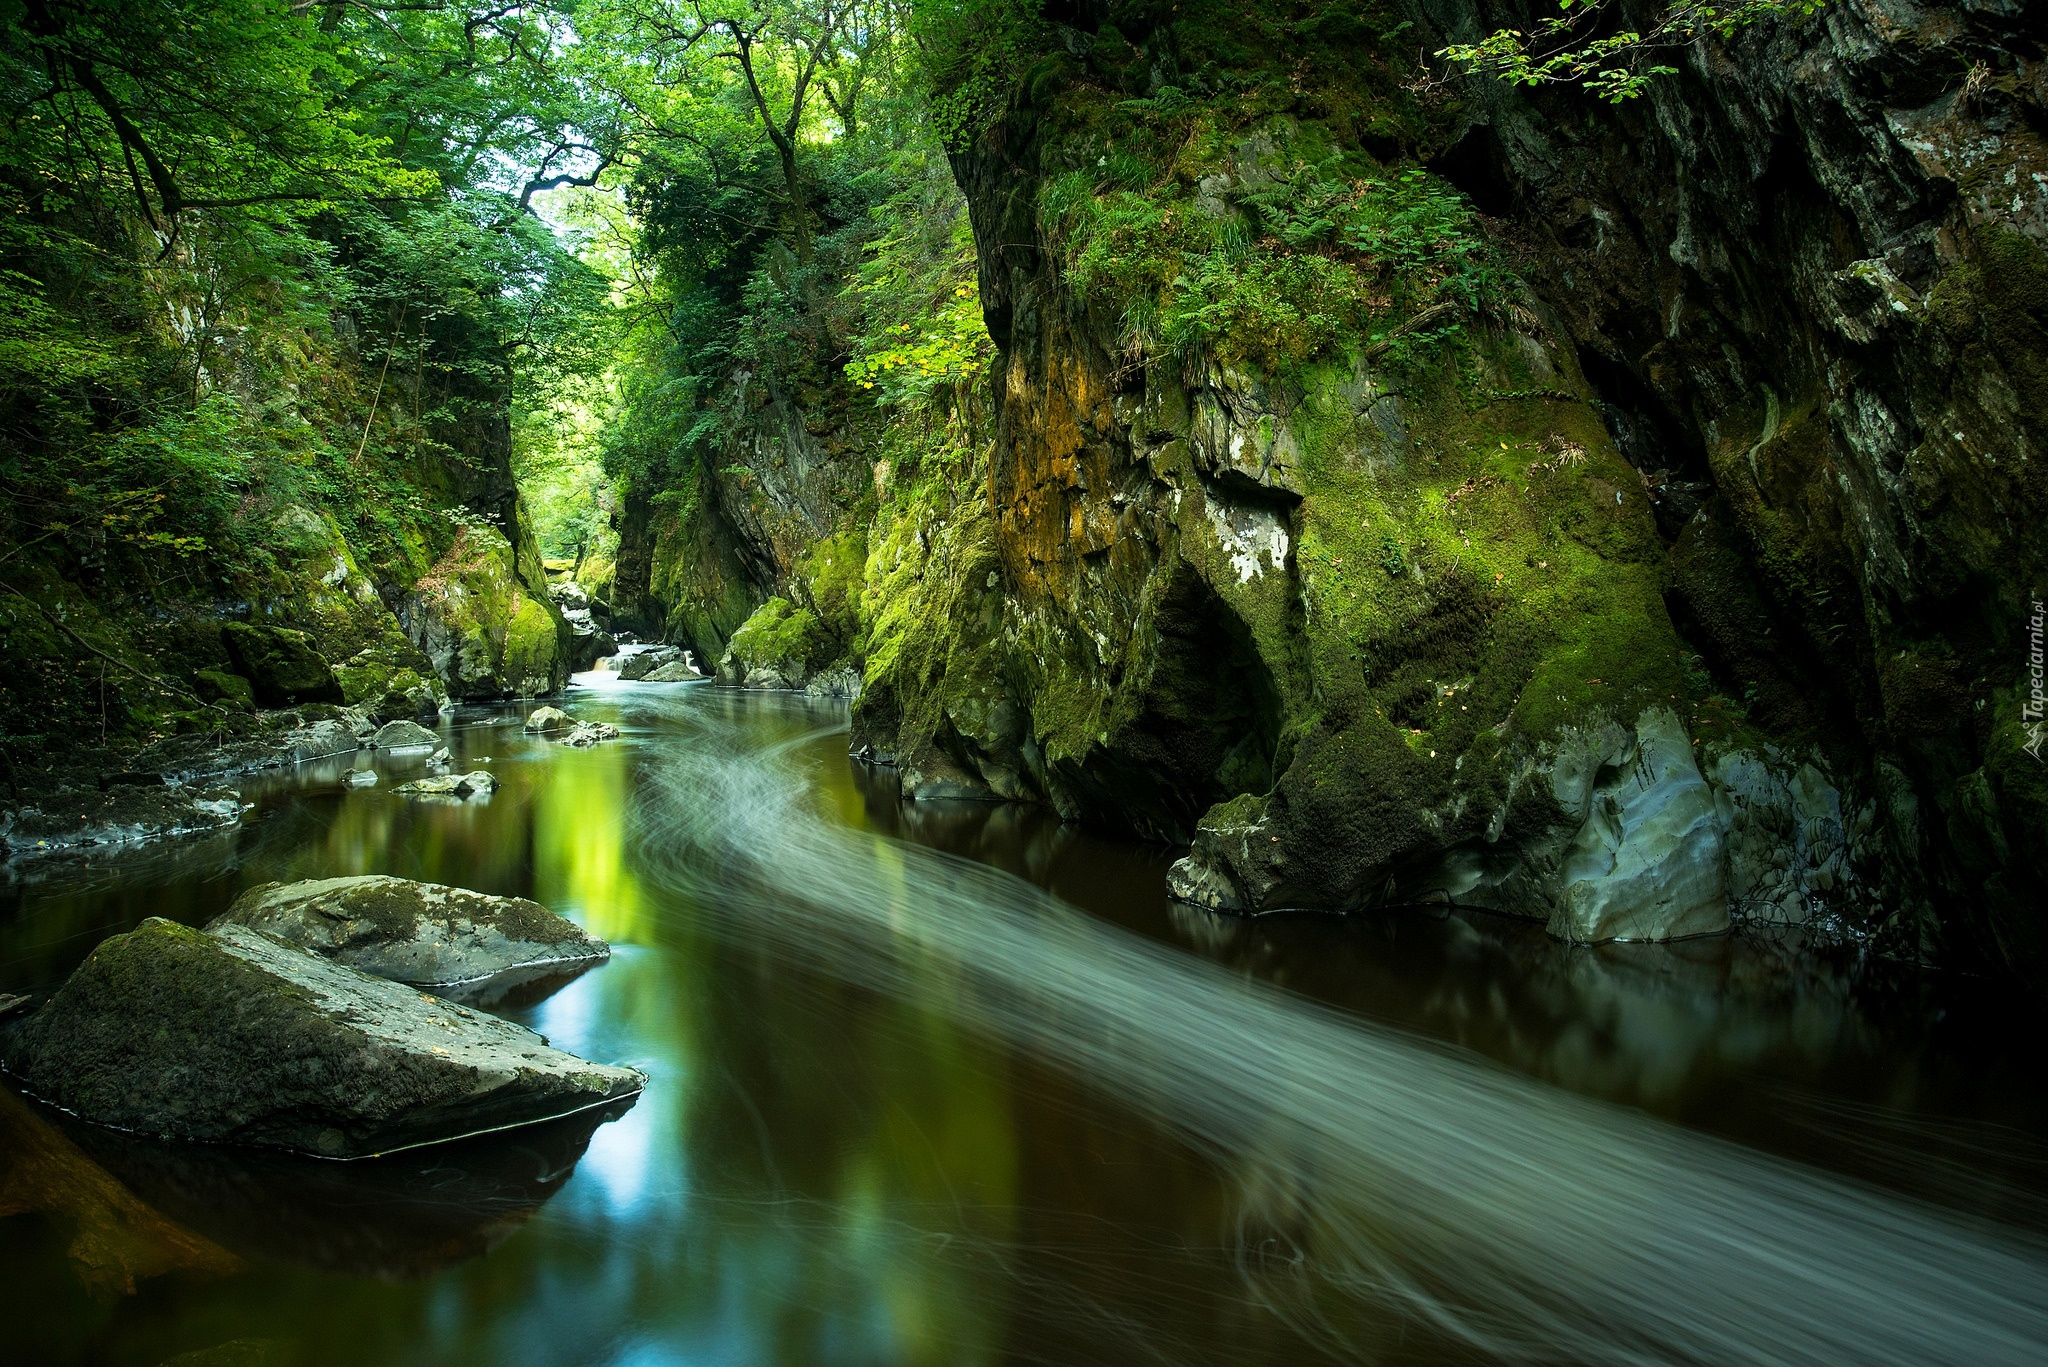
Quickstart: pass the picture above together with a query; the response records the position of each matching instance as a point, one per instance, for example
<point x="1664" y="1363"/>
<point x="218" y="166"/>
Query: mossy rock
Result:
<point x="217" y="685"/>
<point x="282" y="665"/>
<point x="425" y="934"/>
<point x="235" y="1037"/>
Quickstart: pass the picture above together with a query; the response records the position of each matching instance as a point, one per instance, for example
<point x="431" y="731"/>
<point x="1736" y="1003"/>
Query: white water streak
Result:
<point x="1529" y="1222"/>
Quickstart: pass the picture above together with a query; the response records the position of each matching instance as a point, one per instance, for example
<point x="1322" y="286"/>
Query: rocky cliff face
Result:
<point x="1806" y="275"/>
<point x="1686" y="580"/>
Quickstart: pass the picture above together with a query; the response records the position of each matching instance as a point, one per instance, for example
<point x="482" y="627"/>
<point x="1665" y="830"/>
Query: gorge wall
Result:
<point x="1640" y="539"/>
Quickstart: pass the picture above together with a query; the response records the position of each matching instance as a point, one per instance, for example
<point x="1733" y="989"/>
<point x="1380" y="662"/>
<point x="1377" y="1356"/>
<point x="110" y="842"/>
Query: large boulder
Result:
<point x="488" y="631"/>
<point x="281" y="665"/>
<point x="642" y="663"/>
<point x="549" y="719"/>
<point x="675" y="671"/>
<point x="425" y="934"/>
<point x="404" y="735"/>
<point x="235" y="1037"/>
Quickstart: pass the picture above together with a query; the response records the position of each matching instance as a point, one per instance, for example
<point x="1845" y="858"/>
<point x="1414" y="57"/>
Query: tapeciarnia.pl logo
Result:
<point x="2031" y="711"/>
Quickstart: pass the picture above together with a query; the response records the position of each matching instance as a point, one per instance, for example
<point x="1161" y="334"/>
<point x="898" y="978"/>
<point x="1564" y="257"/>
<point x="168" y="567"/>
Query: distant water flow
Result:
<point x="1523" y="1220"/>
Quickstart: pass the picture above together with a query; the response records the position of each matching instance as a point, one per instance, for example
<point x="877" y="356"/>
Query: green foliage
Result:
<point x="1567" y="48"/>
<point x="1275" y="264"/>
<point x="922" y="331"/>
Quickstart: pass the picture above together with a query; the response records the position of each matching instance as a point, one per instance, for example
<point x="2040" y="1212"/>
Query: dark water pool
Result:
<point x="906" y="1108"/>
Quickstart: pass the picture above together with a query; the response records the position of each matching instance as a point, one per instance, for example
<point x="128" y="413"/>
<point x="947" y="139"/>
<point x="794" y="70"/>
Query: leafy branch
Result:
<point x="1563" y="48"/>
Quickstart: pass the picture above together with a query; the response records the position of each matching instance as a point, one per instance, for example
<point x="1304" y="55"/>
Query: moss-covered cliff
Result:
<point x="1613" y="514"/>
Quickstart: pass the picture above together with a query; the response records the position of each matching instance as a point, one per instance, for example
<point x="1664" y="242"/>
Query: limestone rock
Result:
<point x="1648" y="862"/>
<point x="234" y="1037"/>
<point x="281" y="665"/>
<point x="425" y="934"/>
<point x="477" y="783"/>
<point x="549" y="719"/>
<point x="404" y="735"/>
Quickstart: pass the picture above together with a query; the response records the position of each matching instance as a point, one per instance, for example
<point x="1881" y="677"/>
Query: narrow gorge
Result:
<point x="1078" y="681"/>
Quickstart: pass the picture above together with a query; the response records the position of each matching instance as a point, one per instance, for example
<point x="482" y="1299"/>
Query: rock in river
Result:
<point x="549" y="719"/>
<point x="404" y="735"/>
<point x="425" y="934"/>
<point x="476" y="783"/>
<point x="235" y="1037"/>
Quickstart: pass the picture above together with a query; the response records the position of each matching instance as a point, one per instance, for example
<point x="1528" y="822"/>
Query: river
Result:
<point x="953" y="1083"/>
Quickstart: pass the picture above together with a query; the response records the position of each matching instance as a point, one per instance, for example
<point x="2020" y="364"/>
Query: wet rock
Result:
<point x="424" y="934"/>
<point x="589" y="733"/>
<point x="1648" y="862"/>
<point x="235" y="1037"/>
<point x="676" y="671"/>
<point x="843" y="682"/>
<point x="282" y="666"/>
<point x="549" y="719"/>
<point x="477" y="783"/>
<point x="641" y="663"/>
<point x="360" y="778"/>
<point x="404" y="735"/>
<point x="488" y="632"/>
<point x="440" y="759"/>
<point x="126" y="814"/>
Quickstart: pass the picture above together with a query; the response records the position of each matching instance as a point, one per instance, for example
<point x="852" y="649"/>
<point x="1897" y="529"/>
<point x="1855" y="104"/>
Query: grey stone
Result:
<point x="589" y="733"/>
<point x="235" y="1037"/>
<point x="360" y="778"/>
<point x="641" y="663"/>
<point x="676" y="671"/>
<point x="549" y="719"/>
<point x="425" y="934"/>
<point x="404" y="735"/>
<point x="476" y="783"/>
<point x="1648" y="863"/>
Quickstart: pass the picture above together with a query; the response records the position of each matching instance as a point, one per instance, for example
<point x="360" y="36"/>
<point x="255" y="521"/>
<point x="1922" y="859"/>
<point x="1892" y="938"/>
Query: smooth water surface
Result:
<point x="952" y="1083"/>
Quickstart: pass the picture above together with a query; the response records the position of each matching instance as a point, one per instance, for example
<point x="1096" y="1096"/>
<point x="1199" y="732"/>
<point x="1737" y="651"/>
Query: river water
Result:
<point x="954" y="1084"/>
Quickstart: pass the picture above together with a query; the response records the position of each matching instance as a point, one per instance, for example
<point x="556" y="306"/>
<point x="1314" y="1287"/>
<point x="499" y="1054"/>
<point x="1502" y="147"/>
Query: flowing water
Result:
<point x="952" y="1083"/>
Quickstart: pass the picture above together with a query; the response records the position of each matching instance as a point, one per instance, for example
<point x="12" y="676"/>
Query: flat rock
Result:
<point x="235" y="1037"/>
<point x="549" y="719"/>
<point x="476" y="783"/>
<point x="424" y="934"/>
<point x="404" y="735"/>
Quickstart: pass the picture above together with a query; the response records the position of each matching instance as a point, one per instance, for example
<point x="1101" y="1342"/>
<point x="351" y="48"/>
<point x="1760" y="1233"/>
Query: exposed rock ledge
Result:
<point x="1641" y="845"/>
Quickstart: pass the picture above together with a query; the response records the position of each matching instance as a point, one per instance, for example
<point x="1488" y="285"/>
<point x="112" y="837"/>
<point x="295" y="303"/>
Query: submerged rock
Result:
<point x="404" y="735"/>
<point x="360" y="778"/>
<point x="476" y="783"/>
<point x="424" y="934"/>
<point x="235" y="1037"/>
